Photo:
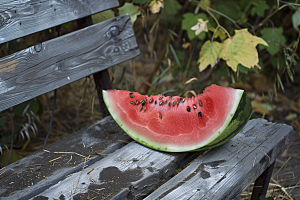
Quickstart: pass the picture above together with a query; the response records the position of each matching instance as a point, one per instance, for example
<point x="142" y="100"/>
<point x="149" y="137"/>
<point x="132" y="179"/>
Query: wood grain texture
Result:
<point x="226" y="171"/>
<point x="21" y="18"/>
<point x="101" y="79"/>
<point x="104" y="137"/>
<point x="52" y="64"/>
<point x="129" y="173"/>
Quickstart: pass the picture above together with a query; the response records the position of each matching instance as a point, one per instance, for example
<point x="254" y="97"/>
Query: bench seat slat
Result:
<point x="225" y="172"/>
<point x="21" y="18"/>
<point x="129" y="173"/>
<point x="60" y="61"/>
<point x="105" y="137"/>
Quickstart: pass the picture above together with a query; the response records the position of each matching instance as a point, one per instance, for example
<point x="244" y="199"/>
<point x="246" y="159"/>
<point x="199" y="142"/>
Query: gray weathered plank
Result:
<point x="225" y="172"/>
<point x="54" y="63"/>
<point x="129" y="173"/>
<point x="104" y="137"/>
<point x="21" y="18"/>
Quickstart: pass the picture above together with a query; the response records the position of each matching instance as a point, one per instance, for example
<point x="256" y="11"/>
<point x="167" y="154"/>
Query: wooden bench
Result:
<point x="101" y="161"/>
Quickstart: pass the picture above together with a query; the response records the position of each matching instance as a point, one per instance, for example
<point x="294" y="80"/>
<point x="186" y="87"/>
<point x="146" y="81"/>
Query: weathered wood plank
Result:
<point x="129" y="173"/>
<point x="21" y="18"/>
<point x="225" y="172"/>
<point x="104" y="137"/>
<point x="52" y="64"/>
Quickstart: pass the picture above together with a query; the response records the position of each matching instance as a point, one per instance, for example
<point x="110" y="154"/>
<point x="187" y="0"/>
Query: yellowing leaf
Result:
<point x="200" y="26"/>
<point x="209" y="54"/>
<point x="155" y="5"/>
<point x="241" y="48"/>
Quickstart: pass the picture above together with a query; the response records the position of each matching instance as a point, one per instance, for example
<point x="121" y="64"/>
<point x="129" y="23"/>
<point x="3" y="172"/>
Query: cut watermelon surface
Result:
<point x="177" y="124"/>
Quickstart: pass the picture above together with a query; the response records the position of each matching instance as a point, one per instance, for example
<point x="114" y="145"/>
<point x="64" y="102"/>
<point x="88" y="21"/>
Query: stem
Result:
<point x="190" y="57"/>
<point x="218" y="25"/>
<point x="215" y="11"/>
<point x="267" y="18"/>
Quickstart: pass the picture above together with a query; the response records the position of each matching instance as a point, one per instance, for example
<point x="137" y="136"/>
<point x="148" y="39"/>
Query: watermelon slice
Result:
<point x="177" y="124"/>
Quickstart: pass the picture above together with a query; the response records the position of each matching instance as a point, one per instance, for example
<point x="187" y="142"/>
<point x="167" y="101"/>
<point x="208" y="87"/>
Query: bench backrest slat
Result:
<point x="21" y="18"/>
<point x="60" y="61"/>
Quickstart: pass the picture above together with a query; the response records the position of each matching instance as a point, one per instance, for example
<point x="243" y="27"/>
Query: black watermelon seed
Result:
<point x="199" y="114"/>
<point x="180" y="99"/>
<point x="169" y="104"/>
<point x="177" y="102"/>
<point x="143" y="104"/>
<point x="188" y="109"/>
<point x="200" y="103"/>
<point x="173" y="103"/>
<point x="131" y="96"/>
<point x="155" y="102"/>
<point x="150" y="100"/>
<point x="130" y="93"/>
<point x="145" y="100"/>
<point x="160" y="98"/>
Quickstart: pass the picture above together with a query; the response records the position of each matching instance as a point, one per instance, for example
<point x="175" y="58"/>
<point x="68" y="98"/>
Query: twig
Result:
<point x="90" y="171"/>
<point x="55" y="159"/>
<point x="75" y="154"/>
<point x="79" y="176"/>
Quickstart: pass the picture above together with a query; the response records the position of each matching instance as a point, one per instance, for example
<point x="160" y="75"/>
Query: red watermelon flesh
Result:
<point x="176" y="123"/>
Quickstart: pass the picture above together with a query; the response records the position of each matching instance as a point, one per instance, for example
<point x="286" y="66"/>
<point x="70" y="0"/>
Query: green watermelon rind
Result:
<point x="236" y="124"/>
<point x="236" y="120"/>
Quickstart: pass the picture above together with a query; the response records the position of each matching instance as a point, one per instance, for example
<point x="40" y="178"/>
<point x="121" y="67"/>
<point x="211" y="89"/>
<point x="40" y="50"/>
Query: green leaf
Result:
<point x="296" y="19"/>
<point x="209" y="54"/>
<point x="175" y="56"/>
<point x="230" y="8"/>
<point x="274" y="38"/>
<point x="102" y="16"/>
<point x="2" y="122"/>
<point x="140" y="1"/>
<point x="243" y="69"/>
<point x="191" y="20"/>
<point x="171" y="10"/>
<point x="260" y="8"/>
<point x="131" y="9"/>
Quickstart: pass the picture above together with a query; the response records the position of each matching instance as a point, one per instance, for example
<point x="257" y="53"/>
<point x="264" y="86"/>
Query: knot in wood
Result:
<point x="116" y="49"/>
<point x="114" y="31"/>
<point x="38" y="48"/>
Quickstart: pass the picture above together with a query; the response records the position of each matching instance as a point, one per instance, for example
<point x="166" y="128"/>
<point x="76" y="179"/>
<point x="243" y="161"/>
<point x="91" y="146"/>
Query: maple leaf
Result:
<point x="241" y="48"/>
<point x="209" y="54"/>
<point x="200" y="26"/>
<point x="155" y="5"/>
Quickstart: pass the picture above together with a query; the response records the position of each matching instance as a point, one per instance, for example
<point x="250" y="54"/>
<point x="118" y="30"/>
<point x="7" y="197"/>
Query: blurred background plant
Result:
<point x="185" y="46"/>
